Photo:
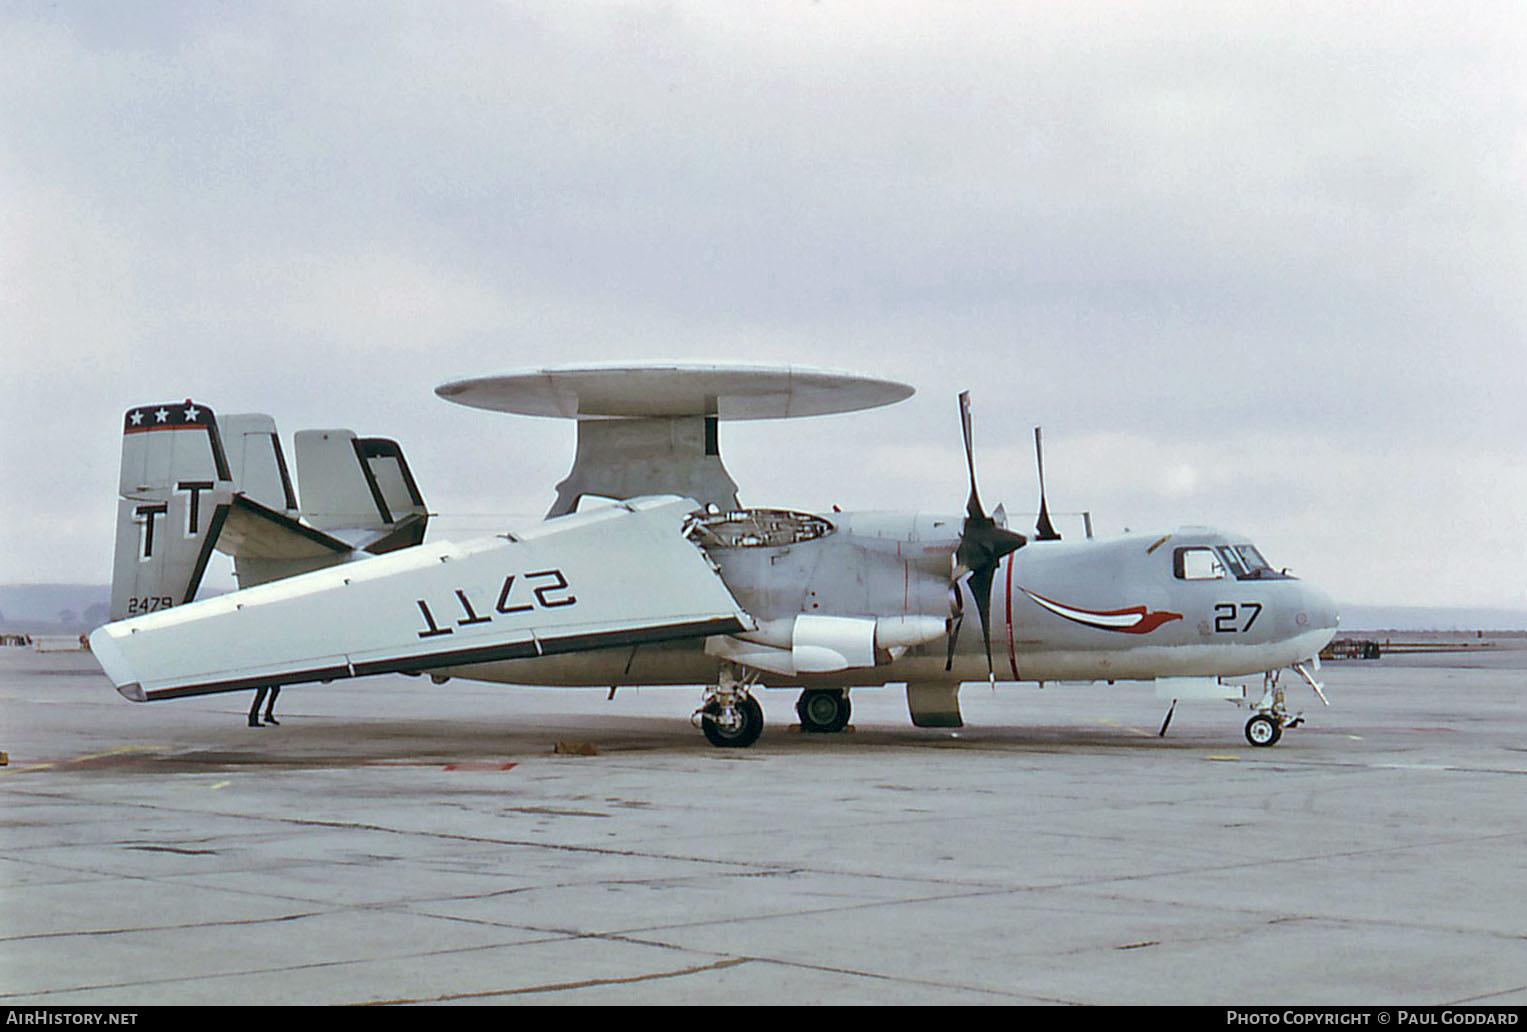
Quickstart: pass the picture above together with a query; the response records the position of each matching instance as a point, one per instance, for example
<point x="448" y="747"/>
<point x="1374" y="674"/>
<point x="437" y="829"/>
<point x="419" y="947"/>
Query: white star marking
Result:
<point x="162" y="416"/>
<point x="192" y="413"/>
<point x="137" y="418"/>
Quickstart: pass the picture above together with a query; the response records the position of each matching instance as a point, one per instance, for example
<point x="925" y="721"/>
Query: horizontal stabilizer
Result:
<point x="255" y="530"/>
<point x="268" y="545"/>
<point x="614" y="577"/>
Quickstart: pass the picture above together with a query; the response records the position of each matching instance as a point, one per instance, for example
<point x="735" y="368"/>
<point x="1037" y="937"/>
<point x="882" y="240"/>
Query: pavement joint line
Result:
<point x="1477" y="1001"/>
<point x="902" y="980"/>
<point x="588" y="983"/>
<point x="182" y="927"/>
<point x="283" y="969"/>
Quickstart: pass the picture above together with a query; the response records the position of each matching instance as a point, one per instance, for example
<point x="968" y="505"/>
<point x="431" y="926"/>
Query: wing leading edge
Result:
<point x="618" y="576"/>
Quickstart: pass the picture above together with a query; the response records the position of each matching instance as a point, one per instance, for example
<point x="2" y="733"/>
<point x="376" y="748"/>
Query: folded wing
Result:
<point x="619" y="576"/>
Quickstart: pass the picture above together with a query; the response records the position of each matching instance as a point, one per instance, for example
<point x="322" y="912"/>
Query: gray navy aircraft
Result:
<point x="669" y="580"/>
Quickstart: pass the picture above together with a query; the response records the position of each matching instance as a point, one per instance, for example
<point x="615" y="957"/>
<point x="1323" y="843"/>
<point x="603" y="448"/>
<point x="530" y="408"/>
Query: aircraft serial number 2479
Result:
<point x="509" y="601"/>
<point x="149" y="604"/>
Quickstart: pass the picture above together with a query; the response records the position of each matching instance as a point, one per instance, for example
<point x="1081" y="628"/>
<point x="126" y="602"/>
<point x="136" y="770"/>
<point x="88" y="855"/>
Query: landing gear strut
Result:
<point x="729" y="715"/>
<point x="1266" y="725"/>
<point x="823" y="710"/>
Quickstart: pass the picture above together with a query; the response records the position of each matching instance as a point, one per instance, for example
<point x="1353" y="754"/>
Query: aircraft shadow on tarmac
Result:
<point x="475" y="744"/>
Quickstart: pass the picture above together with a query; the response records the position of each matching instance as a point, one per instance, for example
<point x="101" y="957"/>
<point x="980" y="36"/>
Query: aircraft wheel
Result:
<point x="749" y="724"/>
<point x="823" y="710"/>
<point x="1263" y="730"/>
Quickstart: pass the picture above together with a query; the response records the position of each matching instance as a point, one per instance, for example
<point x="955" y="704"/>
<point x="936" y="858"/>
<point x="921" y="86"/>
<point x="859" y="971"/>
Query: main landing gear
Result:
<point x="823" y="710"/>
<point x="732" y="719"/>
<point x="729" y="715"/>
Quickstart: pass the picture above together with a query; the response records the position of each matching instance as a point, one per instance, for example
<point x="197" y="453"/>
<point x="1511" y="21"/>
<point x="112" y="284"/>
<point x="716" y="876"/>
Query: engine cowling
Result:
<point x="812" y="644"/>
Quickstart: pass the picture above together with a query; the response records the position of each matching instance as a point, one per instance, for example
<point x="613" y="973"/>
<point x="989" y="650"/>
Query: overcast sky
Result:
<point x="1256" y="265"/>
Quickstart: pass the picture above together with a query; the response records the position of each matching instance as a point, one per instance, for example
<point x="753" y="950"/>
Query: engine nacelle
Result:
<point x="811" y="644"/>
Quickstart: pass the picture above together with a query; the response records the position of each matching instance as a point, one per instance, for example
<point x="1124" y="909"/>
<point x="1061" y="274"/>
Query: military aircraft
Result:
<point x="669" y="579"/>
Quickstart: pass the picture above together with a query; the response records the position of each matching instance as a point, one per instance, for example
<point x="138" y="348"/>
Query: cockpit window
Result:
<point x="1233" y="561"/>
<point x="1247" y="563"/>
<point x="1197" y="564"/>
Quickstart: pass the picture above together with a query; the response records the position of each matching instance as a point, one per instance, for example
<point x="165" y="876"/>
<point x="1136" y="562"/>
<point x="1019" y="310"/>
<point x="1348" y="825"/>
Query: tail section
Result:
<point x="263" y="532"/>
<point x="258" y="464"/>
<point x="359" y="489"/>
<point x="400" y="494"/>
<point x="190" y="485"/>
<point x="175" y="489"/>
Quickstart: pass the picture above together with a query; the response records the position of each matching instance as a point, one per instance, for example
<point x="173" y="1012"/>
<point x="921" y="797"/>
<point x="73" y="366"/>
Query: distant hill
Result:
<point x="1423" y="618"/>
<point x="53" y="608"/>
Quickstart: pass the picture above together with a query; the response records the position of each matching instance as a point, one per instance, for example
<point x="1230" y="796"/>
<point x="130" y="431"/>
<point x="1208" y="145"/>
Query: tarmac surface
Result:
<point x="397" y="841"/>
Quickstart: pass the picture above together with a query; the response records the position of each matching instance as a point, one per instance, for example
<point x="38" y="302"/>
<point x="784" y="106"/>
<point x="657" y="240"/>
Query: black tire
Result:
<point x="1263" y="731"/>
<point x="749" y="727"/>
<point x="823" y="710"/>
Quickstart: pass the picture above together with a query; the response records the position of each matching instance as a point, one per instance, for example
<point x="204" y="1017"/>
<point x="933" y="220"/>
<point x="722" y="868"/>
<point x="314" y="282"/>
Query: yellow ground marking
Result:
<point x="1121" y="727"/>
<point x="121" y="750"/>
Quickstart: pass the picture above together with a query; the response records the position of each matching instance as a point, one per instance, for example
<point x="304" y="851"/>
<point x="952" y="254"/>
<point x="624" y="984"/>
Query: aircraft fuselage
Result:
<point x="1137" y="607"/>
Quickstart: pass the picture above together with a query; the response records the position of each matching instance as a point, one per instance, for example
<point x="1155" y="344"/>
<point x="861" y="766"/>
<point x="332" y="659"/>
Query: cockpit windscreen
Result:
<point x="1247" y="563"/>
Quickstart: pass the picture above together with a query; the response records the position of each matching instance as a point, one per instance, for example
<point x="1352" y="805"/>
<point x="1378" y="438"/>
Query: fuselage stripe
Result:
<point x="1012" y="652"/>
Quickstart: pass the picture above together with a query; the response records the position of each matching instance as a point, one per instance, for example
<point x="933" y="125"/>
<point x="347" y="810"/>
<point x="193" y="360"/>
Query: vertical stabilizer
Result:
<point x="257" y="462"/>
<point x="390" y="473"/>
<point x="338" y="488"/>
<point x="359" y="488"/>
<point x="175" y="488"/>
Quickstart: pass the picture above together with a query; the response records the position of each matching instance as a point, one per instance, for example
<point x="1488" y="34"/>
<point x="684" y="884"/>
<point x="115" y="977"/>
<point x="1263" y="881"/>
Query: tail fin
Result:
<point x="390" y="472"/>
<point x="258" y="464"/>
<point x="175" y="488"/>
<point x="360" y="489"/>
<point x="189" y="486"/>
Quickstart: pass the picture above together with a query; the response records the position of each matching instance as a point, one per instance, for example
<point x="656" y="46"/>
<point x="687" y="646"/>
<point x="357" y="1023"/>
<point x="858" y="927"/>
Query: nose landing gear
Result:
<point x="1266" y="725"/>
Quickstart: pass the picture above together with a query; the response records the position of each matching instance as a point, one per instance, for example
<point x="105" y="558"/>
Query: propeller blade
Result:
<point x="982" y="545"/>
<point x="957" y="605"/>
<point x="973" y="505"/>
<point x="980" y="587"/>
<point x="1045" y="530"/>
<point x="954" y="636"/>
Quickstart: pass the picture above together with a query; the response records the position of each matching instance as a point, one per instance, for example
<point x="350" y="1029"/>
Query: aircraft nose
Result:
<point x="1318" y="610"/>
